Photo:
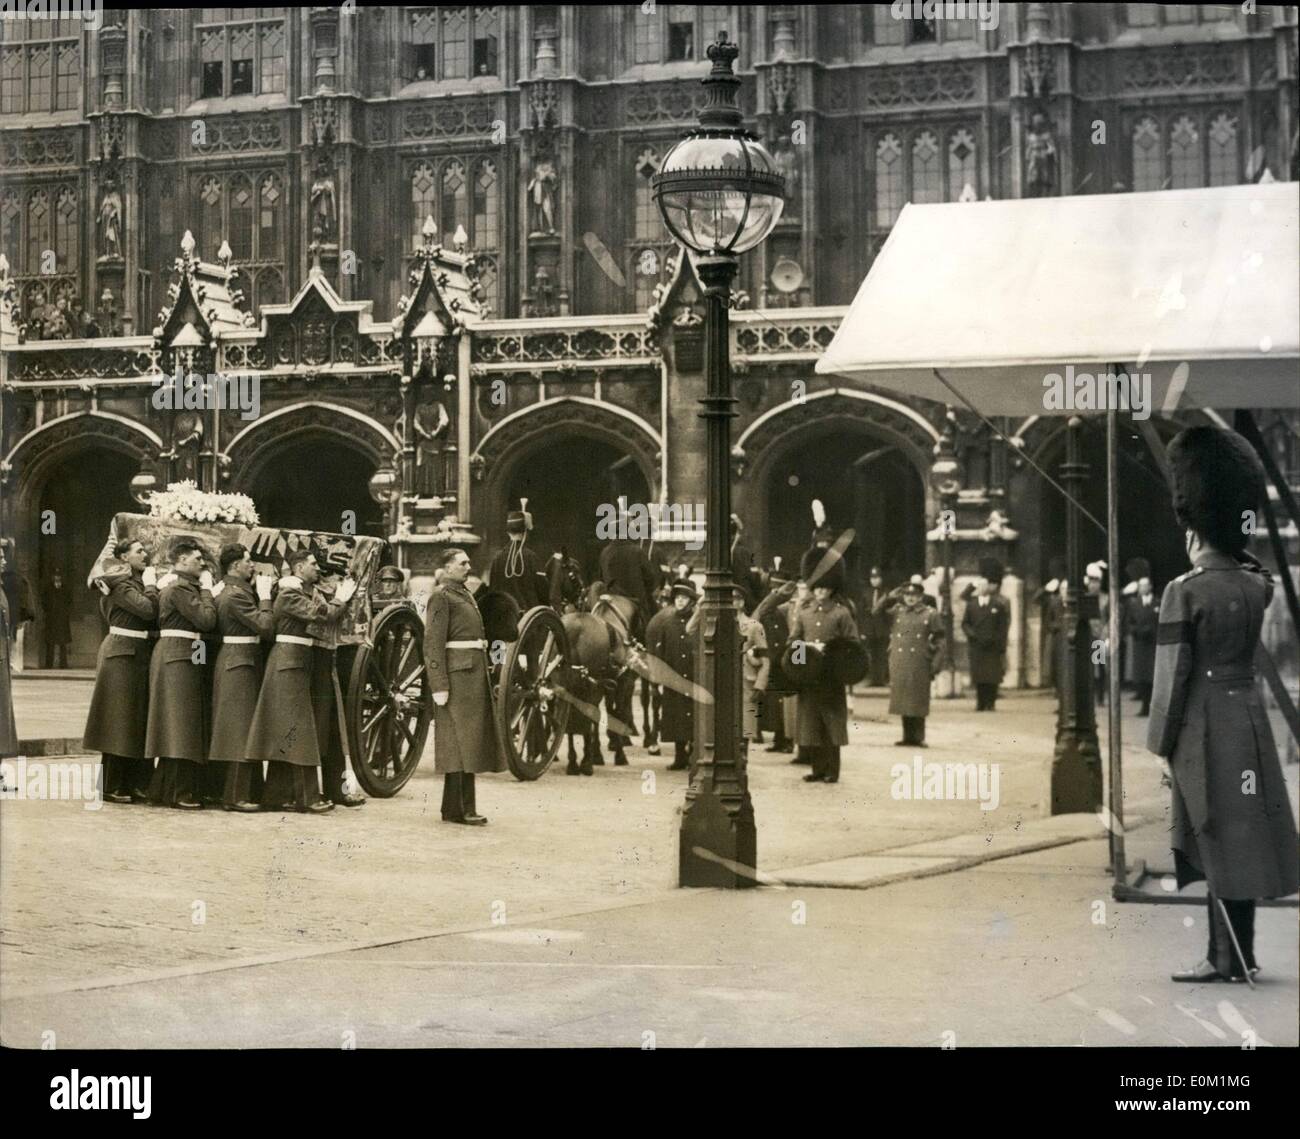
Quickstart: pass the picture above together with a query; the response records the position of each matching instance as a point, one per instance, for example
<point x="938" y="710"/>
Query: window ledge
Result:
<point x="432" y="88"/>
<point x="233" y="104"/>
<point x="32" y="120"/>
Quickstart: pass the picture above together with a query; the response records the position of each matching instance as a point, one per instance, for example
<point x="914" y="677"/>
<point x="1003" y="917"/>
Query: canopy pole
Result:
<point x="1115" y="824"/>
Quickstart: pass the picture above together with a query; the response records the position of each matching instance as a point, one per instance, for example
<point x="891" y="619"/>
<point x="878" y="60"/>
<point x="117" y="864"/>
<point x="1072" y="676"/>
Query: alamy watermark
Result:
<point x="91" y="13"/>
<point x="20" y="779"/>
<point x="657" y="521"/>
<point x="985" y="11"/>
<point x="975" y="781"/>
<point x="195" y="392"/>
<point x="1100" y="391"/>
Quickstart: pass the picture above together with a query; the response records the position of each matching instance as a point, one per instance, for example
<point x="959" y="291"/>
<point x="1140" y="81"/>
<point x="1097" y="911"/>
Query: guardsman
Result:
<point x="325" y="705"/>
<point x="915" y="648"/>
<point x="283" y="731"/>
<point x="119" y="707"/>
<point x="466" y="740"/>
<point x="244" y="621"/>
<point x="8" y="727"/>
<point x="823" y="710"/>
<point x="1232" y="822"/>
<point x="877" y="629"/>
<point x="985" y="623"/>
<point x="178" y="727"/>
<point x="1141" y="614"/>
<point x="517" y="570"/>
<point x="668" y="640"/>
<point x="773" y="612"/>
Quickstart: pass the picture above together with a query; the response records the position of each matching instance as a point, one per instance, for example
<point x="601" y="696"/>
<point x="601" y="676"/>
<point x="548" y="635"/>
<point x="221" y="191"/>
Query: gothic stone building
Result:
<point x="429" y="233"/>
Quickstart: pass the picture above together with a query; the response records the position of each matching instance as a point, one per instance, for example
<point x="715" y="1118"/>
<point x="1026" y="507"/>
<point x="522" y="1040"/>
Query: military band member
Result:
<point x="823" y="724"/>
<point x="985" y="622"/>
<point x="517" y="570"/>
<point x="244" y="621"/>
<point x="8" y="727"/>
<point x="466" y="740"/>
<point x="915" y="648"/>
<point x="283" y="731"/>
<point x="668" y="640"/>
<point x="119" y="706"/>
<point x="177" y="732"/>
<point x="1232" y="822"/>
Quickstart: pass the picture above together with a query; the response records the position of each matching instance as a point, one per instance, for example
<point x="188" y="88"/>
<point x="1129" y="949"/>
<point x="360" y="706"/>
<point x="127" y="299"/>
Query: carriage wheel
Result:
<point x="531" y="716"/>
<point x="389" y="706"/>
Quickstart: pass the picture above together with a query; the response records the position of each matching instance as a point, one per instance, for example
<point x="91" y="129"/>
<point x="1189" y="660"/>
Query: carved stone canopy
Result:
<point x="204" y="299"/>
<point x="445" y="294"/>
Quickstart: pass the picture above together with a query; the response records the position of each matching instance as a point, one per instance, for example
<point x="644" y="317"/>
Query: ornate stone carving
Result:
<point x="240" y="134"/>
<point x="34" y="149"/>
<point x="1179" y="68"/>
<point x="780" y="88"/>
<point x="1040" y="157"/>
<point x="454" y="120"/>
<point x="922" y="85"/>
<point x="663" y="103"/>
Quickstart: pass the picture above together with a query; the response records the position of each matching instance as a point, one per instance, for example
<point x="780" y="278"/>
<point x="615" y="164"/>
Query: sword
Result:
<point x="349" y="780"/>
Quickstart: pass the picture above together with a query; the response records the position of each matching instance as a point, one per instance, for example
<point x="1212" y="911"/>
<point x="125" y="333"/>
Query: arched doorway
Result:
<point x="309" y="481"/>
<point x="79" y="494"/>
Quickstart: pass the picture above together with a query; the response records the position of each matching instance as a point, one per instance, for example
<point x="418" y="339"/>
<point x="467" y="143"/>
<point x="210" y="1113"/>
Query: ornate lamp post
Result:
<point x="943" y="475"/>
<point x="720" y="195"/>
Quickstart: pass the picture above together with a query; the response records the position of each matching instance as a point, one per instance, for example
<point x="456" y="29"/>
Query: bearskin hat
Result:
<point x="832" y="572"/>
<point x="500" y="614"/>
<point x="846" y="660"/>
<point x="1217" y="477"/>
<point x="1056" y="567"/>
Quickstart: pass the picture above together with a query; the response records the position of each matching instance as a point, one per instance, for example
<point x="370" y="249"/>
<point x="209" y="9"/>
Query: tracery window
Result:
<point x="40" y="65"/>
<point x="1202" y="149"/>
<point x="674" y="33"/>
<point x="246" y="209"/>
<point x="925" y="163"/>
<point x="882" y="28"/>
<point x="1185" y="155"/>
<point x="648" y="251"/>
<point x="1148" y="168"/>
<point x="242" y="51"/>
<point x="459" y="192"/>
<point x="451" y="42"/>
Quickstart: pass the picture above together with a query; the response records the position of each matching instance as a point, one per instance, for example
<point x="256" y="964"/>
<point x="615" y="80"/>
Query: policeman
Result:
<point x="1232" y="823"/>
<point x="284" y="731"/>
<point x="244" y="620"/>
<point x="178" y="725"/>
<point x="877" y="629"/>
<point x="119" y="706"/>
<point x="915" y="645"/>
<point x="985" y="623"/>
<point x="667" y="640"/>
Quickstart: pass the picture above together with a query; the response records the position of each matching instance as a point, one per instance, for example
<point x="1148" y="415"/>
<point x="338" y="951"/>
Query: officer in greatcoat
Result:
<point x="668" y="640"/>
<point x="773" y="613"/>
<point x="466" y="739"/>
<point x="8" y="726"/>
<point x="244" y="620"/>
<point x="985" y="623"/>
<point x="915" y="649"/>
<point x="876" y="631"/>
<point x="823" y="715"/>
<point x="177" y="732"/>
<point x="283" y="731"/>
<point x="119" y="705"/>
<point x="822" y="565"/>
<point x="517" y="570"/>
<point x="1141" y="617"/>
<point x="1232" y="822"/>
<point x="56" y="619"/>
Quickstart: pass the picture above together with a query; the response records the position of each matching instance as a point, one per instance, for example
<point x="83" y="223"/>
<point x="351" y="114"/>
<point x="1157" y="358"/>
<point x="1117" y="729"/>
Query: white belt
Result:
<point x="467" y="644"/>
<point x="183" y="634"/>
<point x="286" y="639"/>
<point x="135" y="634"/>
<point x="240" y="640"/>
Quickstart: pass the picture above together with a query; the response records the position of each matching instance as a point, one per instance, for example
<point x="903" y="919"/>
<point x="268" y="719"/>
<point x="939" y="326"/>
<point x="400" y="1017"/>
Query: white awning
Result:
<point x="1200" y="289"/>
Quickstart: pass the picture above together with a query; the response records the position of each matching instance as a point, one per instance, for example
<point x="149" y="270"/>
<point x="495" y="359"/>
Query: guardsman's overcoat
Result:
<point x="244" y="623"/>
<point x="466" y="736"/>
<point x="284" y="725"/>
<point x="985" y="624"/>
<point x="1141" y="623"/>
<point x="8" y="728"/>
<point x="668" y="640"/>
<point x="178" y="726"/>
<point x="1232" y="822"/>
<point x="823" y="711"/>
<point x="119" y="706"/>
<point x="915" y="648"/>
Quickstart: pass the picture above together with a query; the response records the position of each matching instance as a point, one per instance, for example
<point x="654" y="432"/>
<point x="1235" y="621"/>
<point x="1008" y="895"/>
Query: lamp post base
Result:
<point x="1076" y="773"/>
<point x="718" y="841"/>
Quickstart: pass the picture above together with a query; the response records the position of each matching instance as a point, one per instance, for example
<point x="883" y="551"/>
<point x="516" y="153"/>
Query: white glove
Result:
<point x="205" y="580"/>
<point x="441" y="698"/>
<point x="102" y="586"/>
<point x="1130" y="589"/>
<point x="263" y="585"/>
<point x="347" y="587"/>
<point x="218" y="589"/>
<point x="150" y="576"/>
<point x="166" y="580"/>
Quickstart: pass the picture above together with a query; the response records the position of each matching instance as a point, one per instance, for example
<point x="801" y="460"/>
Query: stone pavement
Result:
<point x="134" y="925"/>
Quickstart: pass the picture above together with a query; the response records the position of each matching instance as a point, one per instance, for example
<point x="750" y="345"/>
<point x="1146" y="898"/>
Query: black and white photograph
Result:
<point x="646" y="527"/>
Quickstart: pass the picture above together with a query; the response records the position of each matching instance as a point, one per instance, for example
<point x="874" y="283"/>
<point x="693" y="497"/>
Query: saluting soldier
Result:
<point x="877" y="629"/>
<point x="178" y="724"/>
<point x="669" y="641"/>
<point x="773" y="613"/>
<point x="1232" y="822"/>
<point x="915" y="647"/>
<point x="283" y="731"/>
<point x="517" y="570"/>
<point x="823" y="710"/>
<point x="119" y="706"/>
<point x="244" y="621"/>
<point x="466" y="740"/>
<point x="1141" y="617"/>
<point x="985" y="622"/>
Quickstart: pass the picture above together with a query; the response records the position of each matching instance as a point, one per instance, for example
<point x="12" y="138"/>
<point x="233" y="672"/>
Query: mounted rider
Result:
<point x="517" y="570"/>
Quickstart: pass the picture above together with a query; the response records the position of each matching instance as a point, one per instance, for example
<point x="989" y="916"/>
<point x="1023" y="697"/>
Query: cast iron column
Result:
<point x="719" y="840"/>
<point x="1076" y="765"/>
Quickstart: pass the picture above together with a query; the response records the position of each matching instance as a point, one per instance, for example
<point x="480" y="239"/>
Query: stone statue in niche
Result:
<point x="541" y="198"/>
<point x="431" y="425"/>
<point x="1040" y="158"/>
<point x="110" y="218"/>
<point x="322" y="202"/>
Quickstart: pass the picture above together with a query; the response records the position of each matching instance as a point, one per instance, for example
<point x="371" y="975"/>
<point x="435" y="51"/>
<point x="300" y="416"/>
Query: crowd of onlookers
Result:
<point x="62" y="319"/>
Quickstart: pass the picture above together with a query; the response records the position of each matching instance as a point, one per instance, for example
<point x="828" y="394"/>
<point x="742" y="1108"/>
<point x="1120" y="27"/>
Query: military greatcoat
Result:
<point x="178" y="727"/>
<point x="1232" y="821"/>
<point x="119" y="706"/>
<point x="668" y="640"/>
<point x="284" y="724"/>
<point x="823" y="712"/>
<point x="1141" y="621"/>
<point x="8" y="729"/>
<point x="238" y="680"/>
<point x="915" y="646"/>
<point x="466" y="736"/>
<point x="985" y="626"/>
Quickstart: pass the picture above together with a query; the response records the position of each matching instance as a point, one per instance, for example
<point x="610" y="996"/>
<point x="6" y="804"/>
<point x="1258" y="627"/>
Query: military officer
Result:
<point x="625" y="569"/>
<point x="667" y="639"/>
<point x="985" y="623"/>
<point x="244" y="620"/>
<point x="283" y="731"/>
<point x="773" y="613"/>
<point x="517" y="570"/>
<point x="466" y="740"/>
<point x="1141" y="617"/>
<point x="177" y="729"/>
<point x="915" y="646"/>
<point x="823" y="711"/>
<point x="119" y="706"/>
<point x="1232" y="822"/>
<point x="877" y="629"/>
